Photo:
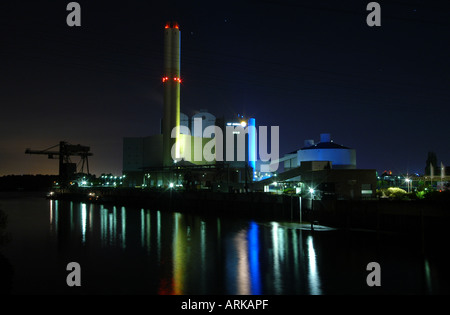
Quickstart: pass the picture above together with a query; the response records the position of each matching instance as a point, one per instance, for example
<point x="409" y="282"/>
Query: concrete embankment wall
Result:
<point x="382" y="215"/>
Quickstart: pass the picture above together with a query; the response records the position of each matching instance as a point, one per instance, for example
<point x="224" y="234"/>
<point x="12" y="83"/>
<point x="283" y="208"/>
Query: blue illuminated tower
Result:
<point x="252" y="144"/>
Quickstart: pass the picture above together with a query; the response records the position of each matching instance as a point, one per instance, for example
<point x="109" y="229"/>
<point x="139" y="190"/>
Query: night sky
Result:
<point x="309" y="67"/>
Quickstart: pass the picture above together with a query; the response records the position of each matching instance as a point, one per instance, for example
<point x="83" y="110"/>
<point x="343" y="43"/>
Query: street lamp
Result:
<point x="408" y="180"/>
<point x="311" y="191"/>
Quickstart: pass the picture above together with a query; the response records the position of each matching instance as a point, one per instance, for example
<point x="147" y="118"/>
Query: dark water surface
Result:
<point x="140" y="251"/>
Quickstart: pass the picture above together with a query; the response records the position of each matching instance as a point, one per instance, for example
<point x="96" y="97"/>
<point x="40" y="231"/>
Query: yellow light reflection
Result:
<point x="178" y="255"/>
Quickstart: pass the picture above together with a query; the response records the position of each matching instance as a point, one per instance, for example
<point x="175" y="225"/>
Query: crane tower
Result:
<point x="67" y="169"/>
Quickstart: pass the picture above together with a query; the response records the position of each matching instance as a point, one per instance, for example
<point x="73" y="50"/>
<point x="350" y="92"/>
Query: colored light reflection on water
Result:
<point x="253" y="253"/>
<point x="128" y="250"/>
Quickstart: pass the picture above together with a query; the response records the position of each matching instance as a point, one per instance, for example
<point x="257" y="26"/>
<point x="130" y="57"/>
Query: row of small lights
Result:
<point x="175" y="79"/>
<point x="310" y="189"/>
<point x="111" y="177"/>
<point x="242" y="124"/>
<point x="407" y="179"/>
<point x="84" y="182"/>
<point x="265" y="175"/>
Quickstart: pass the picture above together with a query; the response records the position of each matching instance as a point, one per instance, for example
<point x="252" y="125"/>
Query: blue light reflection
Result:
<point x="253" y="257"/>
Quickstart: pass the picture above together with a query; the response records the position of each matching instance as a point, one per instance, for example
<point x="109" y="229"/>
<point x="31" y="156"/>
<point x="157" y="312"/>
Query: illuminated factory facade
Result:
<point x="143" y="162"/>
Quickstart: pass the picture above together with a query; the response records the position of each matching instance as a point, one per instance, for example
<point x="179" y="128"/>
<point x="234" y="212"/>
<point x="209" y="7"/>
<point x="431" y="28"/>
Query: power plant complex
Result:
<point x="178" y="152"/>
<point x="219" y="153"/>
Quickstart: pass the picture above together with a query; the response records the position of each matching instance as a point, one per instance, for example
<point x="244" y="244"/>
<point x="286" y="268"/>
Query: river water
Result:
<point x="141" y="251"/>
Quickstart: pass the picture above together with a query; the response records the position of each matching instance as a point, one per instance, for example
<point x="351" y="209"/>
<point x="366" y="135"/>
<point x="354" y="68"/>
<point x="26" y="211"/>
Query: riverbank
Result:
<point x="251" y="205"/>
<point x="409" y="216"/>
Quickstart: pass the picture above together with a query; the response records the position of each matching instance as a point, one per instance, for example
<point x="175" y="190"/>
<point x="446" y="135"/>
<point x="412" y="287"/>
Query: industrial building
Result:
<point x="207" y="152"/>
<point x="143" y="160"/>
<point x="341" y="184"/>
<point x="323" y="170"/>
<point x="339" y="156"/>
<point x="189" y="152"/>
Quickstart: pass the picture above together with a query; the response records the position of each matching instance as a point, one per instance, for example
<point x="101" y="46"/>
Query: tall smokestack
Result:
<point x="171" y="81"/>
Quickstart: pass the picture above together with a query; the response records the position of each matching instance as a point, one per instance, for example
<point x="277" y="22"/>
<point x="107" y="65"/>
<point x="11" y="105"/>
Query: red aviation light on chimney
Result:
<point x="174" y="25"/>
<point x="164" y="79"/>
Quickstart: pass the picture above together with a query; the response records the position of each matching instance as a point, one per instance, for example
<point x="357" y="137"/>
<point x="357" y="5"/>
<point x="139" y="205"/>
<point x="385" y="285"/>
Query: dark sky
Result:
<point x="307" y="66"/>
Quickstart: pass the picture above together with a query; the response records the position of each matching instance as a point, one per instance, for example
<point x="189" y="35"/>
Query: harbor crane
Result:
<point x="67" y="169"/>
